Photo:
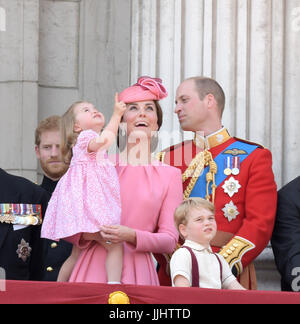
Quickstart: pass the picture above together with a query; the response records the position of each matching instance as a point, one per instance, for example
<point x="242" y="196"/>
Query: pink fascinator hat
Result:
<point x="146" y="88"/>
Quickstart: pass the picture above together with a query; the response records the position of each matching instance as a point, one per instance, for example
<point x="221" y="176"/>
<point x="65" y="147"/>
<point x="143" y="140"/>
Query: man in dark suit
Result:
<point x="47" y="148"/>
<point x="22" y="206"/>
<point x="286" y="236"/>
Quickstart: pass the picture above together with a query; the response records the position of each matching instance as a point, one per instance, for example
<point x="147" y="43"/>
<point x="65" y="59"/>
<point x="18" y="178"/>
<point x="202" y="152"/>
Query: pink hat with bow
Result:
<point x="146" y="88"/>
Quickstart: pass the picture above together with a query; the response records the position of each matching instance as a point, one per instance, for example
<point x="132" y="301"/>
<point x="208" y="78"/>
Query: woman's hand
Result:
<point x="118" y="234"/>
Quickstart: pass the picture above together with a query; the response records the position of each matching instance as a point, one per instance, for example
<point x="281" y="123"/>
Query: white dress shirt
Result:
<point x="209" y="267"/>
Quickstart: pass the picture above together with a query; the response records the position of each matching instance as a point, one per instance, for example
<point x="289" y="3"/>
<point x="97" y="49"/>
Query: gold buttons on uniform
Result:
<point x="49" y="269"/>
<point x="53" y="245"/>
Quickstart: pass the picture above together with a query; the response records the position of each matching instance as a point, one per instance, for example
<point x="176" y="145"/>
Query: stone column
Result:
<point x="2" y="19"/>
<point x="59" y="56"/>
<point x="250" y="47"/>
<point x="18" y="85"/>
<point x="291" y="112"/>
<point x="84" y="53"/>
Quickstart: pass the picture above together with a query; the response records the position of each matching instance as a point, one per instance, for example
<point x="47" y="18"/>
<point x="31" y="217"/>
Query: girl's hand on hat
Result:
<point x="108" y="135"/>
<point x="120" y="106"/>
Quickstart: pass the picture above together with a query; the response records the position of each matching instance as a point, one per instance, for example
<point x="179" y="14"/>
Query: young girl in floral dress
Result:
<point x="88" y="195"/>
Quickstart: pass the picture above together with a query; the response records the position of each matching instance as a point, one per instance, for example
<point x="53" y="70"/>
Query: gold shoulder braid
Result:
<point x="194" y="171"/>
<point x="160" y="156"/>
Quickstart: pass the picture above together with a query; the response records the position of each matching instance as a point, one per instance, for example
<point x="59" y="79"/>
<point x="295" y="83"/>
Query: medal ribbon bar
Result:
<point x="21" y="214"/>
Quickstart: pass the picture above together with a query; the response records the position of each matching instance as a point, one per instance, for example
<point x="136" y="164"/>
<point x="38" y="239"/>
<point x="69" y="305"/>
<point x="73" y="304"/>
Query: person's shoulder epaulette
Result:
<point x="249" y="142"/>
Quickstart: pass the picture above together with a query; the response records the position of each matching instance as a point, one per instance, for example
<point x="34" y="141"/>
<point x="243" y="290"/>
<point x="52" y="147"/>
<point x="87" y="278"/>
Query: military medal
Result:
<point x="236" y="166"/>
<point x="24" y="250"/>
<point x="230" y="211"/>
<point x="21" y="214"/>
<point x="231" y="186"/>
<point x="227" y="169"/>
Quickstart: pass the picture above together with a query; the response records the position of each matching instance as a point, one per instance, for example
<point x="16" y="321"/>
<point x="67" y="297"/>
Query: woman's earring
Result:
<point x="154" y="141"/>
<point x="122" y="137"/>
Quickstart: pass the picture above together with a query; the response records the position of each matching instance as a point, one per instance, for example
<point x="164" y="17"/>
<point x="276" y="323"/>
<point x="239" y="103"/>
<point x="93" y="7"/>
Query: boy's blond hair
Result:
<point x="182" y="212"/>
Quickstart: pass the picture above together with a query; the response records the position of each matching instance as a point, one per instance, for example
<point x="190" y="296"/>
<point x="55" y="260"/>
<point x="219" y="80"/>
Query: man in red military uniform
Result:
<point x="236" y="175"/>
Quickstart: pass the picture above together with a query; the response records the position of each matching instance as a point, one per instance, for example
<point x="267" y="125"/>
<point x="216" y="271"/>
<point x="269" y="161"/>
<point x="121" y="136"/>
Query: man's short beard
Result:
<point x="56" y="173"/>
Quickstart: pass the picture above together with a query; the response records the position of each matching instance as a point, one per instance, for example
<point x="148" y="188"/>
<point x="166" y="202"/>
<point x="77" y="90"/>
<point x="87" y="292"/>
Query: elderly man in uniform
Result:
<point x="47" y="148"/>
<point x="236" y="175"/>
<point x="22" y="206"/>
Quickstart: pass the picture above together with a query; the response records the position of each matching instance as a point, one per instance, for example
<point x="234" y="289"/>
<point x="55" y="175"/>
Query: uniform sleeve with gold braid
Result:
<point x="234" y="251"/>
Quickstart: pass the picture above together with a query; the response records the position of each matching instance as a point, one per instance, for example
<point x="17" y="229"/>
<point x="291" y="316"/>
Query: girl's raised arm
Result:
<point x="108" y="136"/>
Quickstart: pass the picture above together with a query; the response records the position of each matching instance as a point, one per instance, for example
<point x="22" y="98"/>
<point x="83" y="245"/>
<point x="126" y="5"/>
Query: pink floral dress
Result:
<point x="86" y="197"/>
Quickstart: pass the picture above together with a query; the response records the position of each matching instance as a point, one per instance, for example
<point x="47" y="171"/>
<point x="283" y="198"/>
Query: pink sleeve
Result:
<point x="78" y="241"/>
<point x="164" y="240"/>
<point x="84" y="138"/>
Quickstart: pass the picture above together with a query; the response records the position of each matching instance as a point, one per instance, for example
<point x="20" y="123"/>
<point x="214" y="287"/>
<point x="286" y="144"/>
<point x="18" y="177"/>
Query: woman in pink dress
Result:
<point x="88" y="195"/>
<point x="150" y="193"/>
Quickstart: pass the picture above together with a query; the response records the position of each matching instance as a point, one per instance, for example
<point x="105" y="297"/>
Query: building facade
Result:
<point x="55" y="52"/>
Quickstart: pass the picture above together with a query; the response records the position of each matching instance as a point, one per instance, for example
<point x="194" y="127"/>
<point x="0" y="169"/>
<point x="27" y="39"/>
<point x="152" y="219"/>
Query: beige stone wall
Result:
<point x="84" y="48"/>
<point x="252" y="47"/>
<point x="55" y="52"/>
<point x="19" y="52"/>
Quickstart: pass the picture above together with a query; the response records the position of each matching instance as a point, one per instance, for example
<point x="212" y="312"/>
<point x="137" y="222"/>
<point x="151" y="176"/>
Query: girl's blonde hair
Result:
<point x="182" y="213"/>
<point x="68" y="136"/>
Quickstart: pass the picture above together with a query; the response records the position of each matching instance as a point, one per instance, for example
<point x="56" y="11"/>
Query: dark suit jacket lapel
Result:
<point x="3" y="232"/>
<point x="298" y="182"/>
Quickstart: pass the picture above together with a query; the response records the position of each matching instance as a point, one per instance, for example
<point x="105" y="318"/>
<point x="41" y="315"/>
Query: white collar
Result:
<point x="219" y="137"/>
<point x="196" y="246"/>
